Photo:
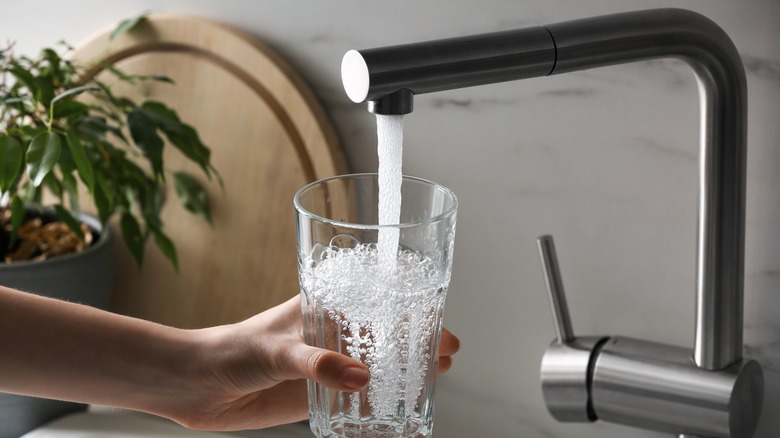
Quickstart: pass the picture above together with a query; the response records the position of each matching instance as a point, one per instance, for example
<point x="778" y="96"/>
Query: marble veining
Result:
<point x="471" y="104"/>
<point x="580" y="92"/>
<point x="762" y="68"/>
<point x="458" y="103"/>
<point x="528" y="158"/>
<point x="687" y="154"/>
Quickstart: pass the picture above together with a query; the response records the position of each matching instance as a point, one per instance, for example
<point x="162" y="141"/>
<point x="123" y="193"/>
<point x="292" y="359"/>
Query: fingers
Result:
<point x="290" y="358"/>
<point x="329" y="368"/>
<point x="445" y="362"/>
<point x="339" y="372"/>
<point x="449" y="344"/>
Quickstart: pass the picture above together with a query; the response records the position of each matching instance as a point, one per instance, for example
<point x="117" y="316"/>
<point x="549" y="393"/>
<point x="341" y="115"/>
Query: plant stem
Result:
<point x="51" y="117"/>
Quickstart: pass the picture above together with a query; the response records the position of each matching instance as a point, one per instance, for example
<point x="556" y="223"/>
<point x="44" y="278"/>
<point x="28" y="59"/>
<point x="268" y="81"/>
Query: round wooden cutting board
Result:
<point x="268" y="136"/>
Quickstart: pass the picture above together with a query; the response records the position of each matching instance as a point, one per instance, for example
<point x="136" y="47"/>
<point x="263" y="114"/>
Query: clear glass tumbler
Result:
<point x="385" y="312"/>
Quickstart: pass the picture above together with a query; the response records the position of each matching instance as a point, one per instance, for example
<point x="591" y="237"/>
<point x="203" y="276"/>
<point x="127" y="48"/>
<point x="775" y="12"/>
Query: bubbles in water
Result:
<point x="343" y="241"/>
<point x="386" y="321"/>
<point x="317" y="252"/>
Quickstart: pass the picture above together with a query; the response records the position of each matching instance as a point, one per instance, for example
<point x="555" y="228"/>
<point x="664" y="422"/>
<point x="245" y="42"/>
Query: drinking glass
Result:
<point x="383" y="311"/>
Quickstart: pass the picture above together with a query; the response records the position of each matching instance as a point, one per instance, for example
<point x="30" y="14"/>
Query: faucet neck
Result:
<point x="379" y="75"/>
<point x="634" y="36"/>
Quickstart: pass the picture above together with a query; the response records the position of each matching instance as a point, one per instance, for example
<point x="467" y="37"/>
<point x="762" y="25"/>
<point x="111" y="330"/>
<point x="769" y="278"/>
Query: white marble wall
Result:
<point x="606" y="160"/>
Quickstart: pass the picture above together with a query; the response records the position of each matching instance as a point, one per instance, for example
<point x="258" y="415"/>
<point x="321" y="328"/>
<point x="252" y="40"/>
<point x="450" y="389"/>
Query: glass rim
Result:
<point x="427" y="221"/>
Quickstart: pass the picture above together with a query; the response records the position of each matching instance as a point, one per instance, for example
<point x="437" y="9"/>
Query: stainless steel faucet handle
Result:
<point x="566" y="364"/>
<point x="552" y="277"/>
<point x="590" y="378"/>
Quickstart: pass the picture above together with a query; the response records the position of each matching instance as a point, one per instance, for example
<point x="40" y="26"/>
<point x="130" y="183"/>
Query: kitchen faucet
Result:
<point x="709" y="390"/>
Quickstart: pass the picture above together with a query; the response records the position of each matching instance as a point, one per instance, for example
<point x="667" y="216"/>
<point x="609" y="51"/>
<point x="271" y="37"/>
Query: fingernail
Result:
<point x="355" y="377"/>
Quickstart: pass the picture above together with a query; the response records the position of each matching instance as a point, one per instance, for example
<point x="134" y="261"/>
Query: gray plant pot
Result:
<point x="84" y="278"/>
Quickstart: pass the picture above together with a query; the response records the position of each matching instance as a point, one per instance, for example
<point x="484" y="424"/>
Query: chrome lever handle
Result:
<point x="555" y="292"/>
<point x="606" y="378"/>
<point x="566" y="363"/>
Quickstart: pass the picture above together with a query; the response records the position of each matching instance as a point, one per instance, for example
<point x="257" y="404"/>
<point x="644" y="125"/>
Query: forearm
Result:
<point x="54" y="349"/>
<point x="238" y="376"/>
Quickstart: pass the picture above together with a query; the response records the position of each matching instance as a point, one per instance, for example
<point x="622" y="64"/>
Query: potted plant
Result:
<point x="64" y="137"/>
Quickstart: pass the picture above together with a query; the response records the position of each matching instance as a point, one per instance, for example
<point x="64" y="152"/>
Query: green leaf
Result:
<point x="184" y="137"/>
<point x="128" y="24"/>
<point x="74" y="91"/>
<point x="187" y="141"/>
<point x="54" y="61"/>
<point x="17" y="99"/>
<point x="124" y="102"/>
<point x="41" y="156"/>
<point x="192" y="195"/>
<point x="53" y="184"/>
<point x="144" y="133"/>
<point x="118" y="73"/>
<point x="92" y="128"/>
<point x="69" y="220"/>
<point x="25" y="77"/>
<point x="65" y="163"/>
<point x="67" y="108"/>
<point x="83" y="165"/>
<point x="166" y="247"/>
<point x="133" y="237"/>
<point x="160" y="112"/>
<point x="160" y="78"/>
<point x="151" y="200"/>
<point x="103" y="200"/>
<point x="44" y="90"/>
<point x="31" y="131"/>
<point x="132" y="79"/>
<point x="69" y="186"/>
<point x="11" y="155"/>
<point x="29" y="194"/>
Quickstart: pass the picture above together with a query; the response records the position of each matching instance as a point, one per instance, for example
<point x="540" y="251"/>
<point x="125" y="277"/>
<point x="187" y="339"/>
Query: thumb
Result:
<point x="328" y="368"/>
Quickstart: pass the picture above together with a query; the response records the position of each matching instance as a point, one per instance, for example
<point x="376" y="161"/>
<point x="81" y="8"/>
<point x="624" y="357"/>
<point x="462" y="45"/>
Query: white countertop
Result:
<point x="100" y="422"/>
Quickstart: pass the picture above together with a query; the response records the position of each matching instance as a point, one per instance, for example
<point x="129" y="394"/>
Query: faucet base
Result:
<point x="659" y="387"/>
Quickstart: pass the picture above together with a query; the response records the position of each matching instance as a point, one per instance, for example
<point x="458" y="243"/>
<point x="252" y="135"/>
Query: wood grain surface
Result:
<point x="268" y="136"/>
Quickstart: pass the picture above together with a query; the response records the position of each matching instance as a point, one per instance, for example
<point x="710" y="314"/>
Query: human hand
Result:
<point x="252" y="374"/>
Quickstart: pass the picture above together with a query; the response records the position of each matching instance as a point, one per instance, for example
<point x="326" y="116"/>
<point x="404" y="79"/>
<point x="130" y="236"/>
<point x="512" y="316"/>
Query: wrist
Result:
<point x="199" y="383"/>
<point x="175" y="374"/>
